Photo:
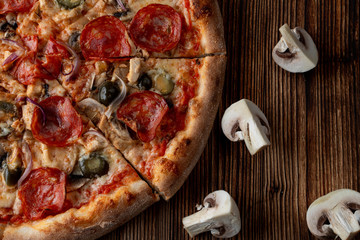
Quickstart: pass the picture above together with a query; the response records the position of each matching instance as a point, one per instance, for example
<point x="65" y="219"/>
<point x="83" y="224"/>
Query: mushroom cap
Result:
<point x="320" y="209"/>
<point x="292" y="54"/>
<point x="252" y="122"/>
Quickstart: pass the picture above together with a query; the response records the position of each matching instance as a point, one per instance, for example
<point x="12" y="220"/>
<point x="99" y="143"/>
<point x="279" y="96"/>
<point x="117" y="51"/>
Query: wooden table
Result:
<point x="314" y="117"/>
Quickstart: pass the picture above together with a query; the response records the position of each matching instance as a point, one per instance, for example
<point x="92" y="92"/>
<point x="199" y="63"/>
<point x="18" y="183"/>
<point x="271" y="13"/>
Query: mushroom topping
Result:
<point x="92" y="109"/>
<point x="296" y="51"/>
<point x="253" y="125"/>
<point x="220" y="215"/>
<point x="335" y="214"/>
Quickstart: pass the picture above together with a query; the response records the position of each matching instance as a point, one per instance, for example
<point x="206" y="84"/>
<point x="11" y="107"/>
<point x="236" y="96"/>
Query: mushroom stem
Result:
<point x="198" y="223"/>
<point x="220" y="215"/>
<point x="343" y="222"/>
<point x="335" y="214"/>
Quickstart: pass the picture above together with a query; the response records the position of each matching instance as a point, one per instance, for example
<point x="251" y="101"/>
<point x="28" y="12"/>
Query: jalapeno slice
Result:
<point x="94" y="165"/>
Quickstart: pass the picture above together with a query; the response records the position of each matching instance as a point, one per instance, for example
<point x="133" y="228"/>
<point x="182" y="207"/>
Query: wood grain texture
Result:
<point x="314" y="117"/>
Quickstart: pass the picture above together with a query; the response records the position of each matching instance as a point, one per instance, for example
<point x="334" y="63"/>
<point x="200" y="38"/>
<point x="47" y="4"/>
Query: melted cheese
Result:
<point x="55" y="89"/>
<point x="10" y="84"/>
<point x="63" y="158"/>
<point x="7" y="195"/>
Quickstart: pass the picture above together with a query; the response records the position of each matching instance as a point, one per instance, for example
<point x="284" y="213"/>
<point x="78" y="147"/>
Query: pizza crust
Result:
<point x="207" y="16"/>
<point x="186" y="148"/>
<point x="91" y="221"/>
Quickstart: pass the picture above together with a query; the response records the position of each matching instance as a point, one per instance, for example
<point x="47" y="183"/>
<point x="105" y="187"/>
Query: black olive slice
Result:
<point x="108" y="91"/>
<point x="11" y="176"/>
<point x="145" y="82"/>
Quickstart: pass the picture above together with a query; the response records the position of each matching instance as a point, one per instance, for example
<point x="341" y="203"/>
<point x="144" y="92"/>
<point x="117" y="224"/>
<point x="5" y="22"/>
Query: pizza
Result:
<point x="105" y="108"/>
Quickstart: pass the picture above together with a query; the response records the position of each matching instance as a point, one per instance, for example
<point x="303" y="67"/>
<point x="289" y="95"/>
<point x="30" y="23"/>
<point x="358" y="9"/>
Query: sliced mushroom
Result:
<point x="296" y="51"/>
<point x="335" y="214"/>
<point x="220" y="215"/>
<point x="92" y="109"/>
<point x="254" y="127"/>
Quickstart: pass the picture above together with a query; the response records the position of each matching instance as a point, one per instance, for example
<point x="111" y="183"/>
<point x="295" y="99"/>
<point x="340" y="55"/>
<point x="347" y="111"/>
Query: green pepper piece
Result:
<point x="69" y="4"/>
<point x="93" y="166"/>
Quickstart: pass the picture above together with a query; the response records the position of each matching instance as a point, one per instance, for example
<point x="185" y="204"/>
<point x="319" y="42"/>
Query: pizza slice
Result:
<point x="70" y="181"/>
<point x="109" y="29"/>
<point x="157" y="112"/>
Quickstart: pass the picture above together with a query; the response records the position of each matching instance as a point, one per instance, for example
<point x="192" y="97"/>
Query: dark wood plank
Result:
<point x="315" y="119"/>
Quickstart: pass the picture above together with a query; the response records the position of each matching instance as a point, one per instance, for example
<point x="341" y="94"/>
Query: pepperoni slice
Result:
<point x="16" y="5"/>
<point x="104" y="38"/>
<point x="43" y="193"/>
<point x="63" y="125"/>
<point x="27" y="70"/>
<point x="142" y="112"/>
<point x="156" y="28"/>
<point x="54" y="49"/>
<point x="52" y="65"/>
<point x="32" y="43"/>
<point x="54" y="53"/>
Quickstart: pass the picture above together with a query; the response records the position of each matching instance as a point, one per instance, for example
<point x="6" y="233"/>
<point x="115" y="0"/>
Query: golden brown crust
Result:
<point x="91" y="221"/>
<point x="185" y="149"/>
<point x="207" y="15"/>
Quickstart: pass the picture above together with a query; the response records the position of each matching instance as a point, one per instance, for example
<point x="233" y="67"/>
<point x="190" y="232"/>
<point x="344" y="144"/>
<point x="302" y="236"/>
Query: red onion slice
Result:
<point x="29" y="163"/>
<point x="120" y="3"/>
<point x="118" y="100"/>
<point x="12" y="58"/>
<point x="12" y="43"/>
<point x="77" y="62"/>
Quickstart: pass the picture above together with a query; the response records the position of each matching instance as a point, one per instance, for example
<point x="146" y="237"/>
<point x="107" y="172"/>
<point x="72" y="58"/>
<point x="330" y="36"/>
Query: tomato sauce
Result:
<point x="189" y="44"/>
<point x="118" y="180"/>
